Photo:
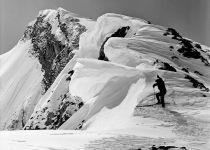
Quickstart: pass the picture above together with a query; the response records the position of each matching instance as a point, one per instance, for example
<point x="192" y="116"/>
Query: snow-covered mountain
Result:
<point x="31" y="67"/>
<point x="69" y="72"/>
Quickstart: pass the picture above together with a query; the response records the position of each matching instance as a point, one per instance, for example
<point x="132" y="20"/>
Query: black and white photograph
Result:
<point x="104" y="75"/>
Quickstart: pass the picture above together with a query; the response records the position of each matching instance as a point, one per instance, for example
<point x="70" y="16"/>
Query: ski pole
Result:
<point x="154" y="93"/>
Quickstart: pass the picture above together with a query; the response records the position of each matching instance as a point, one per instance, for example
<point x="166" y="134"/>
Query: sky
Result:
<point x="190" y="17"/>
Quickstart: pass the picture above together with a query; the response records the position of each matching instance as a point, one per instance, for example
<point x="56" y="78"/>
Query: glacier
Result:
<point x="75" y="78"/>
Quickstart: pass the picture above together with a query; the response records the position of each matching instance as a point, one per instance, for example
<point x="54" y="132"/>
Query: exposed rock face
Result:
<point x="196" y="83"/>
<point x="46" y="118"/>
<point x="165" y="66"/>
<point x="54" y="37"/>
<point x="188" y="48"/>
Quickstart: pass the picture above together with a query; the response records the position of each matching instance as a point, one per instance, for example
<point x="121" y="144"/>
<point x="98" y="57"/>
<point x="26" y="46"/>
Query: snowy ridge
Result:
<point x="146" y="48"/>
<point x="72" y="73"/>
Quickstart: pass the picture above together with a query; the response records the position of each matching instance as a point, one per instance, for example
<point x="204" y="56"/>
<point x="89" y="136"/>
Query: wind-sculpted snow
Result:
<point x="110" y="92"/>
<point x="146" y="48"/>
<point x="20" y="79"/>
<point x="106" y="26"/>
<point x="69" y="72"/>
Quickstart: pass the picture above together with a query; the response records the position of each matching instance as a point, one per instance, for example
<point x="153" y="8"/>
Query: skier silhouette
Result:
<point x="161" y="86"/>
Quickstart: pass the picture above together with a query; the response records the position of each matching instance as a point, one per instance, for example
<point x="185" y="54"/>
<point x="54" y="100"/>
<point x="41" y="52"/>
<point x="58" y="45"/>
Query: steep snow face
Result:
<point x="109" y="91"/>
<point x="21" y="77"/>
<point x="30" y="68"/>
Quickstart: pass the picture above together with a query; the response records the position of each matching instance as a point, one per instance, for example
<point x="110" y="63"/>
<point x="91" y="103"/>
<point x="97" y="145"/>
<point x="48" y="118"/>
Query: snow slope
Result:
<point x="73" y="73"/>
<point x="20" y="81"/>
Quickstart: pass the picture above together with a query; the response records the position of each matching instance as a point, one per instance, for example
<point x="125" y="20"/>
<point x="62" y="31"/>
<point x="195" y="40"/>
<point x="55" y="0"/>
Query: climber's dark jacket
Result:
<point x="161" y="85"/>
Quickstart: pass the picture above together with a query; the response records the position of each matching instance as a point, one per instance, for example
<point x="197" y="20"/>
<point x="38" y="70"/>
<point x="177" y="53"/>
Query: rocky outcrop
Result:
<point x="188" y="48"/>
<point x="46" y="118"/>
<point x="196" y="83"/>
<point x="54" y="46"/>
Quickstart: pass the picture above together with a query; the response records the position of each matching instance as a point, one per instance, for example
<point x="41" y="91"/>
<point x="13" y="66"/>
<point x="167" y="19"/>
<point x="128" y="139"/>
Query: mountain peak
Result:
<point x="46" y="13"/>
<point x="62" y="9"/>
<point x="53" y="33"/>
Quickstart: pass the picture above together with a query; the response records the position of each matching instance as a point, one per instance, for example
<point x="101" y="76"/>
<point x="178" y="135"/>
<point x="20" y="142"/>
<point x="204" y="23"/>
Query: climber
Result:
<point x="161" y="86"/>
